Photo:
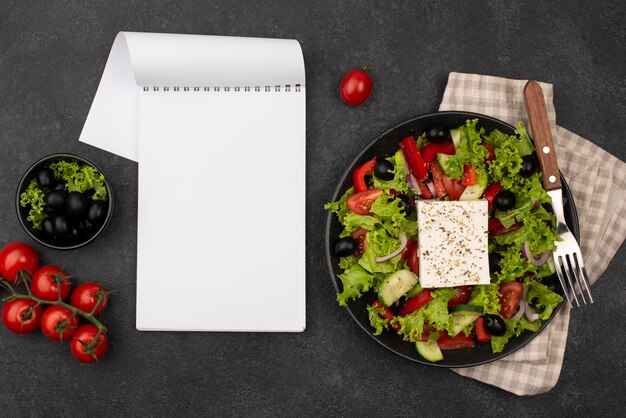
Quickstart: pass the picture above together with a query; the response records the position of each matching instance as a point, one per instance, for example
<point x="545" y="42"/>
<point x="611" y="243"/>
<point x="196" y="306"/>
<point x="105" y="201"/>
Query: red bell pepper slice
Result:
<point x="414" y="159"/>
<point x="430" y="151"/>
<point x="424" y="191"/>
<point x="461" y="340"/>
<point x="469" y="175"/>
<point x="358" y="177"/>
<point x="416" y="302"/>
<point x="496" y="228"/>
<point x="492" y="153"/>
<point x="438" y="174"/>
<point x="387" y="313"/>
<point x="482" y="334"/>
<point x="490" y="194"/>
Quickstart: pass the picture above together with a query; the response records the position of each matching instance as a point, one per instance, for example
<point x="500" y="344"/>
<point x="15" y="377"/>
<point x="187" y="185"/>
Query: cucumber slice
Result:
<point x="442" y="159"/>
<point x="476" y="191"/>
<point x="455" y="134"/>
<point x="414" y="291"/>
<point x="429" y="349"/>
<point x="551" y="265"/>
<point x="460" y="320"/>
<point x="396" y="285"/>
<point x="467" y="308"/>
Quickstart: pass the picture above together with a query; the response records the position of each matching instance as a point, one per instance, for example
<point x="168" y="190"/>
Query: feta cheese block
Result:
<point x="453" y="243"/>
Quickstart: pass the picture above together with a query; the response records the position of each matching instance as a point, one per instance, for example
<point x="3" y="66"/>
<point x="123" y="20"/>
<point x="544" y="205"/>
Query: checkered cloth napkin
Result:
<point x="598" y="182"/>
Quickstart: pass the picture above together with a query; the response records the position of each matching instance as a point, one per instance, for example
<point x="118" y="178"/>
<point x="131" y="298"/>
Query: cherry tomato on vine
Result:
<point x="15" y="257"/>
<point x="85" y="297"/>
<point x="44" y="285"/>
<point x="58" y="324"/>
<point x="84" y="348"/>
<point x="356" y="87"/>
<point x="21" y="316"/>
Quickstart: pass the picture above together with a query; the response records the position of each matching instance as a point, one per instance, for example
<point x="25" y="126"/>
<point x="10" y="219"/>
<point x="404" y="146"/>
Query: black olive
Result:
<point x="77" y="204"/>
<point x="48" y="227"/>
<point x="346" y="246"/>
<point x="397" y="305"/>
<point x="529" y="166"/>
<point x="495" y="325"/>
<point x="61" y="225"/>
<point x="97" y="211"/>
<point x="494" y="262"/>
<point x="406" y="203"/>
<point x="552" y="283"/>
<point x="45" y="178"/>
<point x="56" y="200"/>
<point x="60" y="186"/>
<point x="437" y="134"/>
<point x="49" y="211"/>
<point x="383" y="170"/>
<point x="505" y="200"/>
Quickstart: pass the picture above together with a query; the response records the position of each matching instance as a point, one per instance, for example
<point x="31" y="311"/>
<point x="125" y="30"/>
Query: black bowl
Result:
<point x="385" y="145"/>
<point x="59" y="243"/>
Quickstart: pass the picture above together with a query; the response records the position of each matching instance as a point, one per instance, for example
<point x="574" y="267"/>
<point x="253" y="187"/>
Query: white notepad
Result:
<point x="220" y="138"/>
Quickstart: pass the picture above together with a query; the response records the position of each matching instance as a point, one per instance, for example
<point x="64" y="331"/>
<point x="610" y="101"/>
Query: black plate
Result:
<point x="386" y="145"/>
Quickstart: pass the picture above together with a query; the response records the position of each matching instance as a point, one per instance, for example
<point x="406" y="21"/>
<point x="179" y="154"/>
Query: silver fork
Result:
<point x="568" y="259"/>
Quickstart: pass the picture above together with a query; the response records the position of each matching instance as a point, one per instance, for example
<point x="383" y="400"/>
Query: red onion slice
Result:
<point x="412" y="181"/>
<point x="403" y="242"/>
<point x="431" y="186"/>
<point x="539" y="260"/>
<point x="521" y="308"/>
<point x="535" y="205"/>
<point x="531" y="315"/>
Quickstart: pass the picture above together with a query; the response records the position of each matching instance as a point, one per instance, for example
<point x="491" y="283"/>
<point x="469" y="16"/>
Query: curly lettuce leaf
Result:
<point x="379" y="245"/>
<point x="540" y="236"/>
<point x="377" y="319"/>
<point x="33" y="196"/>
<point x="398" y="183"/>
<point x="436" y="311"/>
<point x="340" y="208"/>
<point x="80" y="178"/>
<point x="542" y="297"/>
<point x="470" y="150"/>
<point x="487" y="297"/>
<point x="410" y="326"/>
<point x="524" y="144"/>
<point x="356" y="281"/>
<point x="513" y="327"/>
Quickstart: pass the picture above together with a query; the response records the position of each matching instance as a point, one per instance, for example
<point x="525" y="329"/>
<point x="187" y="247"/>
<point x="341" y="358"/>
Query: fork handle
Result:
<point x="542" y="135"/>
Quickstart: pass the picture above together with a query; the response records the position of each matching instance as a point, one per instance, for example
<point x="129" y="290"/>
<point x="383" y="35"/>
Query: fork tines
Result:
<point x="573" y="277"/>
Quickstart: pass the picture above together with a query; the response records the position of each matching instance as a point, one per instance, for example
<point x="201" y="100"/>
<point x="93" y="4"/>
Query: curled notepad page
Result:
<point x="217" y="125"/>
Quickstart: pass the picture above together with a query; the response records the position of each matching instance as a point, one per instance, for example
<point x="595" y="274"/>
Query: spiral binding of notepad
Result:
<point x="276" y="88"/>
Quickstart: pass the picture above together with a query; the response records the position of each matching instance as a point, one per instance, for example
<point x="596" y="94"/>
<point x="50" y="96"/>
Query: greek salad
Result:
<point x="378" y="246"/>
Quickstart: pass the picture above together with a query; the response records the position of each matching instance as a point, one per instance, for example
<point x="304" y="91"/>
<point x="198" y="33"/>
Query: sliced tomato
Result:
<point x="492" y="154"/>
<point x="490" y="194"/>
<point x="412" y="257"/>
<point x="496" y="228"/>
<point x="360" y="203"/>
<point x="430" y="151"/>
<point x="469" y="175"/>
<point x="438" y="174"/>
<point x="453" y="187"/>
<point x="424" y="192"/>
<point x="510" y="295"/>
<point x="413" y="157"/>
<point x="461" y="340"/>
<point x="482" y="334"/>
<point x="416" y="302"/>
<point x="358" y="177"/>
<point x="463" y="295"/>
<point x="360" y="234"/>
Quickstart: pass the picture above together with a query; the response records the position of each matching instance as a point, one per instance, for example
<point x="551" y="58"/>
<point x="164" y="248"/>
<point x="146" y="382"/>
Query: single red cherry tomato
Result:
<point x="84" y="346"/>
<point x="430" y="151"/>
<point x="510" y="295"/>
<point x="85" y="297"/>
<point x="58" y="323"/>
<point x="44" y="285"/>
<point x="21" y="316"/>
<point x="360" y="234"/>
<point x="360" y="203"/>
<point x="437" y="172"/>
<point x="469" y="175"/>
<point x="462" y="296"/>
<point x="453" y="187"/>
<point x="482" y="334"/>
<point x="356" y="87"/>
<point x="16" y="257"/>
<point x="461" y="340"/>
<point x="412" y="256"/>
<point x="491" y="192"/>
<point x="358" y="177"/>
<point x="416" y="302"/>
